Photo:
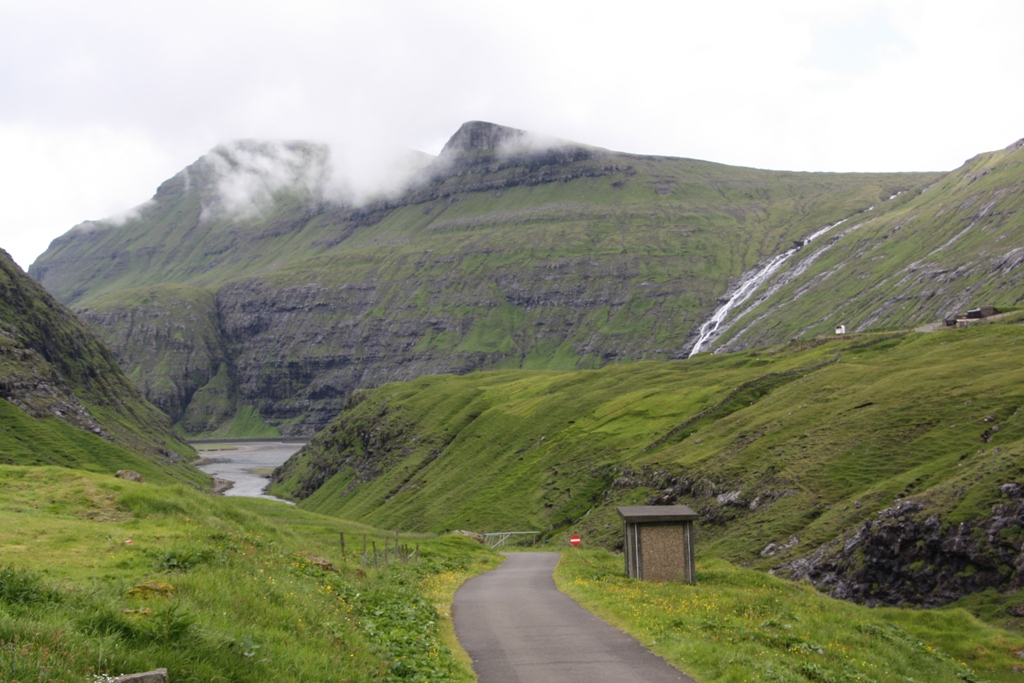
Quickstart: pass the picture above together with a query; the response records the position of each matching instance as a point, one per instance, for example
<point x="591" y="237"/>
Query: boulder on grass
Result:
<point x="317" y="561"/>
<point x="472" y="535"/>
<point x="149" y="589"/>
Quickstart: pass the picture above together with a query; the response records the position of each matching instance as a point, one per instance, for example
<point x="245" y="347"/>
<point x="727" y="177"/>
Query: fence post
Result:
<point x="343" y="546"/>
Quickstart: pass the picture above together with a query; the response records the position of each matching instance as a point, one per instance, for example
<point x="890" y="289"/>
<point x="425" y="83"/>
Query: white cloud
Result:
<point x="251" y="174"/>
<point x="103" y="100"/>
<point x="52" y="179"/>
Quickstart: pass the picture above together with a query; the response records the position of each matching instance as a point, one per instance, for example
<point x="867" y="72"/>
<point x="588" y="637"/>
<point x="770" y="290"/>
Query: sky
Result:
<point x="100" y="101"/>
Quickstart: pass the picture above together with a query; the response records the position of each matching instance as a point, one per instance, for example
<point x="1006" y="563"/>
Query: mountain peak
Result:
<point x="475" y="138"/>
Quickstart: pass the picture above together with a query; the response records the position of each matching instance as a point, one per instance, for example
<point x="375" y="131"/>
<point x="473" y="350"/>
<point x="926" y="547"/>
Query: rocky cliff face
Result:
<point x="170" y="338"/>
<point x="507" y="251"/>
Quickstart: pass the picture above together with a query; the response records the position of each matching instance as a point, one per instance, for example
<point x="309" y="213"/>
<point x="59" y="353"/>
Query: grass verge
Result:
<point x="737" y="625"/>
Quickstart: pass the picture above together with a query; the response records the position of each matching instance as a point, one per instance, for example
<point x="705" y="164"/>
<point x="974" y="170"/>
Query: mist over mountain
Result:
<point x="254" y="294"/>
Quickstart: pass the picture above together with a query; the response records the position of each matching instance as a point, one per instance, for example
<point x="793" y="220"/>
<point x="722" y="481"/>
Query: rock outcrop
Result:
<point x="904" y="557"/>
<point x="154" y="676"/>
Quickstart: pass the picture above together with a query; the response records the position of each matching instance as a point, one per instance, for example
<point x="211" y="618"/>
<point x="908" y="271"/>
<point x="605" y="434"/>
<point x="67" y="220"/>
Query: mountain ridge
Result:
<point x="524" y="253"/>
<point x="957" y="245"/>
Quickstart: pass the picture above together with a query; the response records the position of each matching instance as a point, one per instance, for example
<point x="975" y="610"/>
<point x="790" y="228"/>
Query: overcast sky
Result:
<point x="101" y="101"/>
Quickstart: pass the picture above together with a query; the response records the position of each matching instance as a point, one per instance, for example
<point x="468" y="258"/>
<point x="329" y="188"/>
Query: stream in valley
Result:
<point x="246" y="464"/>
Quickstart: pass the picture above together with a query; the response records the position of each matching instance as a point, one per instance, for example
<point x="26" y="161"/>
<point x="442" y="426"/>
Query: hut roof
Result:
<point x="635" y="514"/>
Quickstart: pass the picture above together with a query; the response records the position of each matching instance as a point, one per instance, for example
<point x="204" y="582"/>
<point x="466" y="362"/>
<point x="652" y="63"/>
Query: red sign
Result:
<point x="575" y="540"/>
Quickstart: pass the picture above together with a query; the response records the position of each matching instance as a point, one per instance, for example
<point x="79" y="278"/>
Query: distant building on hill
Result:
<point x="840" y="329"/>
<point x="972" y="316"/>
<point x="983" y="312"/>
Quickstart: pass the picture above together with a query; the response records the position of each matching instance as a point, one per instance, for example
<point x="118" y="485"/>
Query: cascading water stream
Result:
<point x="747" y="286"/>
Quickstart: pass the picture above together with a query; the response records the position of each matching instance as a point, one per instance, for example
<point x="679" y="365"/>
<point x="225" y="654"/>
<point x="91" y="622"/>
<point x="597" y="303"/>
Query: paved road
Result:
<point x="519" y="628"/>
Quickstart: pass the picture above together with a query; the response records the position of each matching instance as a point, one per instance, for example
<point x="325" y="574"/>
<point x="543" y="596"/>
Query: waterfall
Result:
<point x="748" y="285"/>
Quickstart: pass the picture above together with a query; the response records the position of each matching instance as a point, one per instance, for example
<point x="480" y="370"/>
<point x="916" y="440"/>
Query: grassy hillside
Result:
<point x="886" y="468"/>
<point x="101" y="577"/>
<point x="25" y="440"/>
<point x="916" y="260"/>
<point x="562" y="258"/>
<point x="63" y="398"/>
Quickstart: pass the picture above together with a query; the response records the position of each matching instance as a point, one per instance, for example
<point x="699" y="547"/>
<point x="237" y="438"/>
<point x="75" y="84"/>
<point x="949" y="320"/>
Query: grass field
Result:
<point x="100" y="577"/>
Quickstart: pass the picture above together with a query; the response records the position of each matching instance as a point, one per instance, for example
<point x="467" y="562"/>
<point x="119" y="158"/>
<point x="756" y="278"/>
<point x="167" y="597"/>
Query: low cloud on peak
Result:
<point x="250" y="175"/>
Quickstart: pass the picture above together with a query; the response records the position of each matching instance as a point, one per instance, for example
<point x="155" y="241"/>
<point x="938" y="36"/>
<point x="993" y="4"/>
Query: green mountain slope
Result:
<point x="503" y="253"/>
<point x="912" y="261"/>
<point x="884" y="468"/>
<point x="65" y="401"/>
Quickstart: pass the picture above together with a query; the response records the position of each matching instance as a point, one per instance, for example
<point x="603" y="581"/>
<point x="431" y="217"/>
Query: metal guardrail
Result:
<point x="502" y="536"/>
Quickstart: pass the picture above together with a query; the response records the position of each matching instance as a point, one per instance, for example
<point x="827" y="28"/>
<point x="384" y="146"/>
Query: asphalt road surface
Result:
<point x="519" y="628"/>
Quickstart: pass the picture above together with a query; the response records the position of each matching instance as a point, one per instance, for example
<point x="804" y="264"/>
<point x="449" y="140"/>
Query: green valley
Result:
<point x="506" y="341"/>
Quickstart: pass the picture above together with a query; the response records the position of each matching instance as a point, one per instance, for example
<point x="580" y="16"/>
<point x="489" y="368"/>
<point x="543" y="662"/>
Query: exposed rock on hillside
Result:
<point x="475" y="138"/>
<point x="900" y="558"/>
<point x="35" y="386"/>
<point x="52" y="365"/>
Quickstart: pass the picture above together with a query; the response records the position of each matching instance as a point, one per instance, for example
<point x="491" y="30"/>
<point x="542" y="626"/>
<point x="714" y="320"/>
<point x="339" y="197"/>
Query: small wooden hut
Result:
<point x="659" y="542"/>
